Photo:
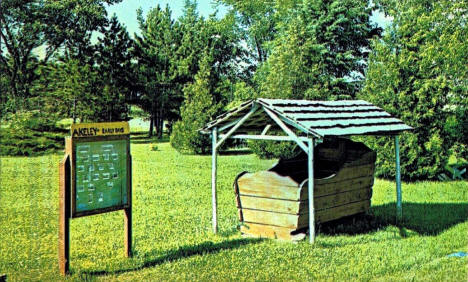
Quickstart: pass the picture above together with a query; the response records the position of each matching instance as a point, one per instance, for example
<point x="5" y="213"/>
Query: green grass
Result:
<point x="173" y="238"/>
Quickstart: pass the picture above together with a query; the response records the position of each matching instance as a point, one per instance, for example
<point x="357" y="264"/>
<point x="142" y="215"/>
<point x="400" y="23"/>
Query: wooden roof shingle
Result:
<point x="319" y="118"/>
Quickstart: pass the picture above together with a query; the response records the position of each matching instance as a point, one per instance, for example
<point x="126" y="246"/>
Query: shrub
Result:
<point x="31" y="133"/>
<point x="274" y="149"/>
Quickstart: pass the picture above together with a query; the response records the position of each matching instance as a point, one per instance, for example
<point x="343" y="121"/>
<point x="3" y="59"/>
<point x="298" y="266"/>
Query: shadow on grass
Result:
<point x="424" y="218"/>
<point x="236" y="152"/>
<point x="142" y="138"/>
<point x="183" y="252"/>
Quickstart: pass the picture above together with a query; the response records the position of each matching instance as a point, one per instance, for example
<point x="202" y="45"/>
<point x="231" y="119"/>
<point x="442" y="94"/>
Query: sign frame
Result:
<point x="90" y="132"/>
<point x="73" y="142"/>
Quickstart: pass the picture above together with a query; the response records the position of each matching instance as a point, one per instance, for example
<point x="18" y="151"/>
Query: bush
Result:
<point x="29" y="134"/>
<point x="274" y="149"/>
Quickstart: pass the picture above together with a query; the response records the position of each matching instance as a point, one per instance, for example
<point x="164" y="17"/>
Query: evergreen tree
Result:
<point x="321" y="51"/>
<point x="418" y="73"/>
<point x="114" y="54"/>
<point x="155" y="52"/>
<point x="198" y="108"/>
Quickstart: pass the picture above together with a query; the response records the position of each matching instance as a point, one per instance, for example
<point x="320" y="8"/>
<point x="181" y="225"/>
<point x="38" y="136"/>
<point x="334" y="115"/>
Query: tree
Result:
<point x="257" y="20"/>
<point x="418" y="73"/>
<point x="155" y="51"/>
<point x="198" y="108"/>
<point x="321" y="51"/>
<point x="114" y="55"/>
<point x="170" y="52"/>
<point x="68" y="89"/>
<point x="26" y="25"/>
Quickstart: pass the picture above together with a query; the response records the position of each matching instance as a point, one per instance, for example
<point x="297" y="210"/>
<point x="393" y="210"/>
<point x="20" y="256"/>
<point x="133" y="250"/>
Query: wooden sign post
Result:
<point x="95" y="177"/>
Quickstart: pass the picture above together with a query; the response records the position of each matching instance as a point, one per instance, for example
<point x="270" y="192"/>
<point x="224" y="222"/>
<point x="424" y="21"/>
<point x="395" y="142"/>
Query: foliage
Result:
<point x="68" y="89"/>
<point x="418" y="73"/>
<point x="30" y="133"/>
<point x="154" y="51"/>
<point x="199" y="107"/>
<point x="170" y="52"/>
<point x="114" y="55"/>
<point x="51" y="25"/>
<point x="92" y="83"/>
<point x="173" y="239"/>
<point x="274" y="149"/>
<point x="320" y="51"/>
<point x="257" y="20"/>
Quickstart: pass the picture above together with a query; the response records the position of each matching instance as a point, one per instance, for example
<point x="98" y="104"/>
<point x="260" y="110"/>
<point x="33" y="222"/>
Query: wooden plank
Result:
<point x="236" y="192"/>
<point x="268" y="204"/>
<point x="321" y="190"/>
<point x="301" y="207"/>
<point x="310" y="167"/>
<point x="271" y="185"/>
<point x="334" y="213"/>
<point x="295" y="222"/>
<point x="268" y="184"/>
<point x="341" y="211"/>
<point x="270" y="218"/>
<point x="286" y="129"/>
<point x="214" y="197"/>
<point x="330" y="201"/>
<point x="267" y="231"/>
<point x="348" y="173"/>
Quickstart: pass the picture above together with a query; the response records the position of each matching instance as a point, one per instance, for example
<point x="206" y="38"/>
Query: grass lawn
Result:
<point x="173" y="238"/>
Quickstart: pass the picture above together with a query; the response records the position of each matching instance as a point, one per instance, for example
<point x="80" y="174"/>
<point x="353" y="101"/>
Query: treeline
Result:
<point x="183" y="72"/>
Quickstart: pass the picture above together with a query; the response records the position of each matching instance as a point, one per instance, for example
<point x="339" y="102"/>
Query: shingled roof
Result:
<point x="317" y="118"/>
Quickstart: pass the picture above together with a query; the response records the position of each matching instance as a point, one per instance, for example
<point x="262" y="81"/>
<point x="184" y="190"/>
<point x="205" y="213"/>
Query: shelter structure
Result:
<point x="306" y="123"/>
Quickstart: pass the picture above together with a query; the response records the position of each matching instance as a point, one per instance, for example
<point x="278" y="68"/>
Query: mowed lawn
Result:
<point x="172" y="228"/>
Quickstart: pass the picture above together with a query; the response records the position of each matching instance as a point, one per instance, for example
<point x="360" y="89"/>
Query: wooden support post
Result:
<point x="310" y="165"/>
<point x="214" y="203"/>
<point x="128" y="231"/>
<point x="64" y="215"/>
<point x="398" y="181"/>
<point x="128" y="213"/>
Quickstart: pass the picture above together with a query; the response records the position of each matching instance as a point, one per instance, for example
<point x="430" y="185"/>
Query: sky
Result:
<point x="126" y="11"/>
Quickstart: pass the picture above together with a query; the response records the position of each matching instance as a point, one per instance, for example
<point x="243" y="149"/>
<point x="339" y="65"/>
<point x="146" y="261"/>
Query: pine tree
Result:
<point x="320" y="52"/>
<point x="114" y="55"/>
<point x="198" y="108"/>
<point x="418" y="73"/>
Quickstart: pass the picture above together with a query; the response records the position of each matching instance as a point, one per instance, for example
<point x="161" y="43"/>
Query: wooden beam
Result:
<point x="214" y="138"/>
<point x="286" y="129"/>
<point x="265" y="130"/>
<point x="237" y="125"/>
<point x="234" y="122"/>
<point x="265" y="137"/>
<point x="310" y="165"/>
<point x="399" y="214"/>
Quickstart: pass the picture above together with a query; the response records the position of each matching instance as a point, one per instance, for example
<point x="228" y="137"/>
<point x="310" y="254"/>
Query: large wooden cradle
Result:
<point x="274" y="203"/>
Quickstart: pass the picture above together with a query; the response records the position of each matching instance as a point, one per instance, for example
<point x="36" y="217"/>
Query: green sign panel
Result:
<point x="100" y="174"/>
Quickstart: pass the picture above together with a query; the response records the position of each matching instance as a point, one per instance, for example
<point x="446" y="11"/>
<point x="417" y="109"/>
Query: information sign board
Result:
<point x="95" y="177"/>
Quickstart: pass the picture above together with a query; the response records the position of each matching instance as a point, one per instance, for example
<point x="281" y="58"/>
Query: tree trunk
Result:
<point x="150" y="133"/>
<point x="160" y="124"/>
